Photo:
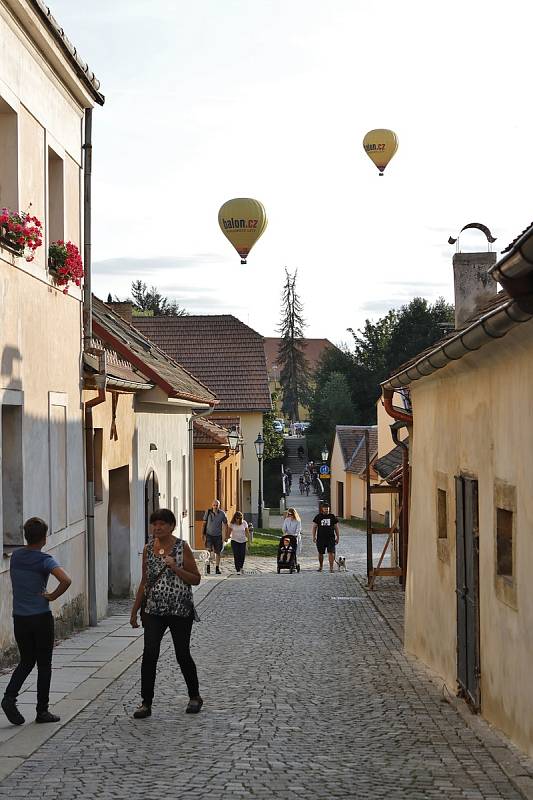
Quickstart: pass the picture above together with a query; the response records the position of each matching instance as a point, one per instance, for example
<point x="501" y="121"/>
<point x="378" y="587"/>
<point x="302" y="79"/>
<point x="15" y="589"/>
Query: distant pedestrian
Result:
<point x="325" y="535"/>
<point x="214" y="531"/>
<point x="292" y="526"/>
<point x="32" y="619"/>
<point x="165" y="598"/>
<point x="239" y="535"/>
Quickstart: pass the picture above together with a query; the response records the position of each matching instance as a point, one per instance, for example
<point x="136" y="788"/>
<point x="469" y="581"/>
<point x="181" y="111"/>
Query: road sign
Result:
<point x="324" y="470"/>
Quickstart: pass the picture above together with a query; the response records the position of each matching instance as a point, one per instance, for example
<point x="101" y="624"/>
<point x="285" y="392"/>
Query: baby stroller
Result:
<point x="291" y="563"/>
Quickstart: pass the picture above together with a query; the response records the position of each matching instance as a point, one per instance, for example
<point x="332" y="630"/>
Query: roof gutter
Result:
<point x="514" y="271"/>
<point x="492" y="325"/>
<point x="392" y="411"/>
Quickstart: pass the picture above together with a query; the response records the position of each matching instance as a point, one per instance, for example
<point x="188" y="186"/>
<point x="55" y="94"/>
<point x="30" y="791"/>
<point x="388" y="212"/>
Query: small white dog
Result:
<point x="341" y="563"/>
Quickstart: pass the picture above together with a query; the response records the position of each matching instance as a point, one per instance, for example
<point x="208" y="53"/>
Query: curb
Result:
<point x="21" y="746"/>
<point x="500" y="748"/>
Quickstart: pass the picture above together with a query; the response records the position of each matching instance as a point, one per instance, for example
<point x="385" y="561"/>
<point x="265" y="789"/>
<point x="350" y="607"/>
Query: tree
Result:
<point x="273" y="439"/>
<point x="294" y="373"/>
<point x="331" y="406"/>
<point x="151" y="302"/>
<point x="380" y="347"/>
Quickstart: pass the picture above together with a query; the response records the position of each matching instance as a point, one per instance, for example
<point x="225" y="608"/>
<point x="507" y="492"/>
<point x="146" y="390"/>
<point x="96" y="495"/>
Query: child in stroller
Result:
<point x="287" y="554"/>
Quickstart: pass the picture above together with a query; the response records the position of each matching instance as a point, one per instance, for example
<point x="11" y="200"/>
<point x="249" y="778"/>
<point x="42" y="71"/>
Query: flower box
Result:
<point x="20" y="232"/>
<point x="65" y="264"/>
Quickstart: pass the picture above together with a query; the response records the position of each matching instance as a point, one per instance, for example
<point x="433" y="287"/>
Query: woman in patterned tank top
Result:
<point x="169" y="572"/>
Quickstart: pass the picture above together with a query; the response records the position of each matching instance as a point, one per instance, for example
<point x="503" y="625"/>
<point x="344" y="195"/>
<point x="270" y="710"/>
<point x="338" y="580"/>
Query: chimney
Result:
<point x="473" y="284"/>
<point x="124" y="310"/>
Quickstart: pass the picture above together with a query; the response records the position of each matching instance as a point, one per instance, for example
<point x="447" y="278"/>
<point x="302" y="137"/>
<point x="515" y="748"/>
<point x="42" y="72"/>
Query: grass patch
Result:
<point x="265" y="542"/>
<point x="360" y="524"/>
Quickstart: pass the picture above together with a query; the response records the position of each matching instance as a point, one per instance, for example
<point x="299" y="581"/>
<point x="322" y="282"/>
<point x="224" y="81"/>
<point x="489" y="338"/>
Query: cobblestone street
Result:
<point x="307" y="694"/>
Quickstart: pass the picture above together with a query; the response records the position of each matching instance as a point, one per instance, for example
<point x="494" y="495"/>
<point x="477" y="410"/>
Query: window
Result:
<point x="57" y="422"/>
<point x="56" y="197"/>
<point x="97" y="453"/>
<point x="184" y="485"/>
<point x="11" y="452"/>
<point x="442" y="515"/>
<point x="169" y="483"/>
<point x="9" y="195"/>
<point x="504" y="543"/>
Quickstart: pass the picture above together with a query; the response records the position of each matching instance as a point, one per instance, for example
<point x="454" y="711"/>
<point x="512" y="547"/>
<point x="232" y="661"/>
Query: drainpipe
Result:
<point x="100" y="380"/>
<point x="404" y="527"/>
<point x="194" y="416"/>
<point x="87" y="173"/>
<point x="395" y="413"/>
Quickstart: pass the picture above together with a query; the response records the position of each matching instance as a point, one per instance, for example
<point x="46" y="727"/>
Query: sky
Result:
<point x="270" y="99"/>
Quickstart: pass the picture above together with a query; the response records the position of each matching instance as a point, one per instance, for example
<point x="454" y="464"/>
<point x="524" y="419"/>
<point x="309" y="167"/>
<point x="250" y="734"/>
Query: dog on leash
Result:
<point x="341" y="563"/>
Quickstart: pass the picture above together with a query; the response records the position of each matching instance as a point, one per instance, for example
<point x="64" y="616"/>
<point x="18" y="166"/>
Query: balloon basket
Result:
<point x="243" y="261"/>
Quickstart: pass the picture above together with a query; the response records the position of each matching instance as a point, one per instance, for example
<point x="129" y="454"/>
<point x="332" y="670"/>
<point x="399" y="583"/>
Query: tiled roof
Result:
<point x="512" y="244"/>
<point x="352" y="442"/>
<point x="389" y="463"/>
<point x="208" y="433"/>
<point x="119" y="371"/>
<point x="225" y="354"/>
<point x="140" y="352"/>
<point x="81" y="68"/>
<point x="313" y="350"/>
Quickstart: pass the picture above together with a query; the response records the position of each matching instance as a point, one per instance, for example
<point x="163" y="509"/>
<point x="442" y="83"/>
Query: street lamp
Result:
<point x="259" y="450"/>
<point x="233" y="439"/>
<point x="325" y="453"/>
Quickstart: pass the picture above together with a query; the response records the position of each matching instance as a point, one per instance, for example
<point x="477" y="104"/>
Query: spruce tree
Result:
<point x="294" y="373"/>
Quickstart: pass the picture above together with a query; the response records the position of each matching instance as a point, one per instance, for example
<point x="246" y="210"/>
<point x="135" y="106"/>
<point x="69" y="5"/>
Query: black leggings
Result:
<point x="180" y="630"/>
<point x="239" y="554"/>
<point x="34" y="635"/>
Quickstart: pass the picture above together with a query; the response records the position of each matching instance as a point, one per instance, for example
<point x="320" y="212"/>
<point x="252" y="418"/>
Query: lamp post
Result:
<point x="259" y="450"/>
<point x="233" y="439"/>
<point x="326" y="492"/>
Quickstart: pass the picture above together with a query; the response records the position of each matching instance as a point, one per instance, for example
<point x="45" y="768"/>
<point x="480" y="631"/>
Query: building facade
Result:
<point x="45" y="94"/>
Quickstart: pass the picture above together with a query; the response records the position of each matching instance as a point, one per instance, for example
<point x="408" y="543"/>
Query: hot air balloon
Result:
<point x="242" y="221"/>
<point x="380" y="146"/>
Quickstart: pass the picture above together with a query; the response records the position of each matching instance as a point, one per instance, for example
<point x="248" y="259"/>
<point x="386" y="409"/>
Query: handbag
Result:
<point x="147" y="590"/>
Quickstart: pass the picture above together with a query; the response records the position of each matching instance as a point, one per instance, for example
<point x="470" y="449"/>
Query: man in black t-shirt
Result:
<point x="325" y="535"/>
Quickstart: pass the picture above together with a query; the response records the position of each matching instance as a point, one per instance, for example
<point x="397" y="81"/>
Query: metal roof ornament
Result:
<point x="480" y="227"/>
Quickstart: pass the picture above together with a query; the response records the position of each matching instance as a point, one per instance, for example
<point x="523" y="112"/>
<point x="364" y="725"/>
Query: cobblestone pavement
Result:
<point x="307" y="694"/>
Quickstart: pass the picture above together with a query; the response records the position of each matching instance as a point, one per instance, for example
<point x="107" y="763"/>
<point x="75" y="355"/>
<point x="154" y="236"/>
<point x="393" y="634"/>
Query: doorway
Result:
<point x="340" y="499"/>
<point x="467" y="590"/>
<point x="151" y="500"/>
<point x="247" y="497"/>
<point x="118" y="533"/>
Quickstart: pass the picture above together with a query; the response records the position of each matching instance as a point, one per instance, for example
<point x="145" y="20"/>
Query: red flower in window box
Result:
<point x="21" y="232"/>
<point x="64" y="261"/>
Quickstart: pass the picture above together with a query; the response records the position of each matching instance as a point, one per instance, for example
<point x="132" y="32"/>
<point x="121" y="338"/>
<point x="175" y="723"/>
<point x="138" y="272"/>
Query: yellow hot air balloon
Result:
<point x="380" y="146"/>
<point x="242" y="221"/>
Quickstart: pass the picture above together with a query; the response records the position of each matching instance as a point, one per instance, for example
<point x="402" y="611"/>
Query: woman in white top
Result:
<point x="292" y="526"/>
<point x="238" y="529"/>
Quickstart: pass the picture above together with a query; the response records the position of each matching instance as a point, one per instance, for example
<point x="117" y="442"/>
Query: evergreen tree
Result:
<point x="294" y="374"/>
<point x="150" y="302"/>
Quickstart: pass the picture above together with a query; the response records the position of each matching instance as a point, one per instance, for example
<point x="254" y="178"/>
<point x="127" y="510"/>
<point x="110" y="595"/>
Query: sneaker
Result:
<point x="208" y="569"/>
<point x="195" y="704"/>
<point x="47" y="716"/>
<point x="218" y="572"/>
<point x="9" y="707"/>
<point x="143" y="711"/>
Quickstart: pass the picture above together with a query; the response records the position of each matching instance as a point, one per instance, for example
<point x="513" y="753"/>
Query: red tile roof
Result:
<point x="313" y="350"/>
<point x="136" y="350"/>
<point x="208" y="433"/>
<point x="352" y="441"/>
<point x="225" y="354"/>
